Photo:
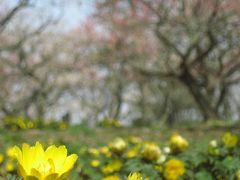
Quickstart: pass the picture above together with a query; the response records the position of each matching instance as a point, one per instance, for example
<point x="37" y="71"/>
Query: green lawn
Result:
<point x="76" y="136"/>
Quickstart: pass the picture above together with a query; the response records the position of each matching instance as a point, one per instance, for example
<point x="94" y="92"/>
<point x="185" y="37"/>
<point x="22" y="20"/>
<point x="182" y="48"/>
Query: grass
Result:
<point x="76" y="136"/>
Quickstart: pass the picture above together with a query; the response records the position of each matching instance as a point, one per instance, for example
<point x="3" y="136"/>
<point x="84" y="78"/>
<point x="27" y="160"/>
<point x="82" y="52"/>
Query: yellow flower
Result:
<point x="107" y="169"/>
<point x="116" y="123"/>
<point x="114" y="166"/>
<point x="1" y="158"/>
<point x="237" y="175"/>
<point x="9" y="166"/>
<point x="230" y="140"/>
<point x="21" y="123"/>
<point x="95" y="163"/>
<point x="93" y="151"/>
<point x="118" y="146"/>
<point x="35" y="163"/>
<point x="113" y="177"/>
<point x="11" y="152"/>
<point x="30" y="124"/>
<point x="151" y="152"/>
<point x="132" y="153"/>
<point x="62" y="125"/>
<point x="158" y="168"/>
<point x="178" y="143"/>
<point x="135" y="140"/>
<point x="173" y="169"/>
<point x="105" y="151"/>
<point x="83" y="150"/>
<point x="135" y="176"/>
<point x="212" y="148"/>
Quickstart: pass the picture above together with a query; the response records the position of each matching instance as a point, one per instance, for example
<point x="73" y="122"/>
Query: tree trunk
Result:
<point x="203" y="104"/>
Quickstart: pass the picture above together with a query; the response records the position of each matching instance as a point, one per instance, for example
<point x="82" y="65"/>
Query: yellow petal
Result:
<point x="36" y="173"/>
<point x="18" y="154"/>
<point x="59" y="157"/>
<point x="69" y="163"/>
<point x="21" y="171"/>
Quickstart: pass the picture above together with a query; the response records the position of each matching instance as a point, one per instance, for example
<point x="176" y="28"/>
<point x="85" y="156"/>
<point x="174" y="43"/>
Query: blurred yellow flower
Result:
<point x="35" y="163"/>
<point x="9" y="166"/>
<point x="93" y="151"/>
<point x="151" y="151"/>
<point x="30" y="124"/>
<point x="114" y="166"/>
<point x="21" y="123"/>
<point x="135" y="176"/>
<point x="105" y="151"/>
<point x="178" y="143"/>
<point x="113" y="177"/>
<point x="173" y="169"/>
<point x="212" y="148"/>
<point x="135" y="140"/>
<point x="158" y="168"/>
<point x="237" y="175"/>
<point x="95" y="163"/>
<point x="132" y="153"/>
<point x="116" y="123"/>
<point x="62" y="125"/>
<point x="118" y="146"/>
<point x="230" y="140"/>
<point x="10" y="152"/>
<point x="83" y="150"/>
<point x="107" y="169"/>
<point x="1" y="158"/>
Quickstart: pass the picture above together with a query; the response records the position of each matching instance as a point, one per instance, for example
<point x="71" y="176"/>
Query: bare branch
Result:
<point x="22" y="4"/>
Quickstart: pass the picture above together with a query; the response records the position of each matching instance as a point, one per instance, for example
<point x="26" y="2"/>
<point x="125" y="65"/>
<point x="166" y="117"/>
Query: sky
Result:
<point x="75" y="14"/>
<point x="75" y="11"/>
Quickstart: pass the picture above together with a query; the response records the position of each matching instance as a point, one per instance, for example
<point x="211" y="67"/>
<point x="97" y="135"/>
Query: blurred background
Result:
<point x="136" y="61"/>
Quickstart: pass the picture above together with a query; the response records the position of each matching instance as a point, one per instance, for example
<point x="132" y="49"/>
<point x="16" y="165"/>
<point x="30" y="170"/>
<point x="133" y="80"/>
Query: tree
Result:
<point x="26" y="59"/>
<point x="198" y="45"/>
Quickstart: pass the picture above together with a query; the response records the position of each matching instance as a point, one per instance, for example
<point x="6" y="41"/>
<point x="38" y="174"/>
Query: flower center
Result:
<point x="44" y="167"/>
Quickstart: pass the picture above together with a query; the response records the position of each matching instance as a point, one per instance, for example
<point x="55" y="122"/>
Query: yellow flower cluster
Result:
<point x="115" y="160"/>
<point x="121" y="150"/>
<point x="15" y="123"/>
<point x="20" y="123"/>
<point x="110" y="123"/>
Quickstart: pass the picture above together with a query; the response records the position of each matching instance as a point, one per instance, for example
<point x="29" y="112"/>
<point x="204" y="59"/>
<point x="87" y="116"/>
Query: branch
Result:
<point x="8" y="17"/>
<point x="204" y="54"/>
<point x="223" y="92"/>
<point x="158" y="74"/>
<point x="235" y="67"/>
<point x="168" y="43"/>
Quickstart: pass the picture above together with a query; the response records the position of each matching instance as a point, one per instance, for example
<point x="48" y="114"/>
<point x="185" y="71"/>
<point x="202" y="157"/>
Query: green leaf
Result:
<point x="203" y="175"/>
<point x="13" y="177"/>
